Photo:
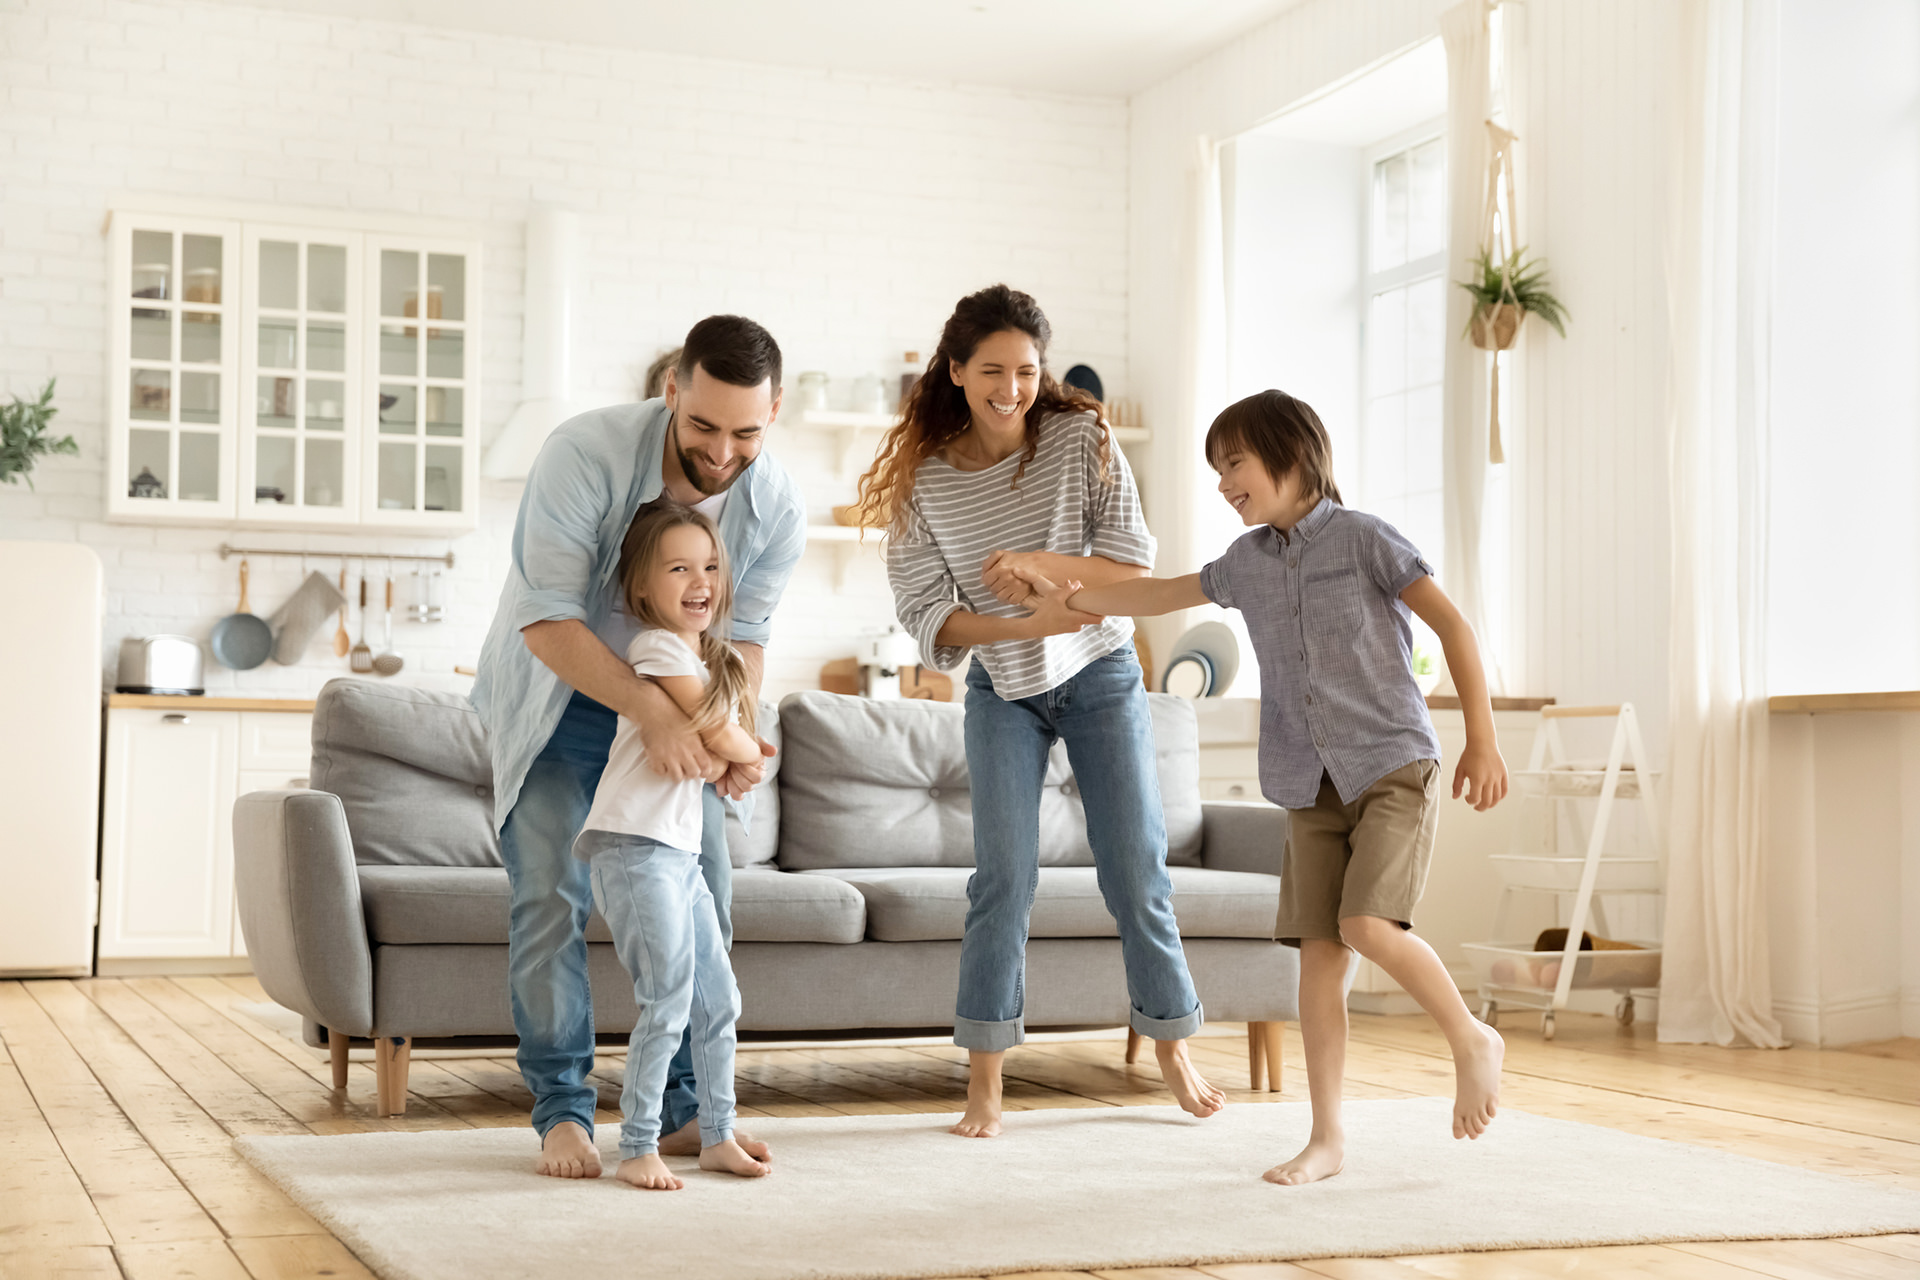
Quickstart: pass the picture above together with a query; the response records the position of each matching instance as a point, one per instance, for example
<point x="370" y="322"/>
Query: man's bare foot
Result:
<point x="1190" y="1089"/>
<point x="1322" y="1157"/>
<point x="685" y="1141"/>
<point x="649" y="1173"/>
<point x="982" y="1118"/>
<point x="730" y="1157"/>
<point x="568" y="1152"/>
<point x="1476" y="1075"/>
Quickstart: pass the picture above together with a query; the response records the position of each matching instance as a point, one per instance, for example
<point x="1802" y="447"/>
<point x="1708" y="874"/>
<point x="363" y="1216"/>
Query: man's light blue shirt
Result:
<point x="592" y="474"/>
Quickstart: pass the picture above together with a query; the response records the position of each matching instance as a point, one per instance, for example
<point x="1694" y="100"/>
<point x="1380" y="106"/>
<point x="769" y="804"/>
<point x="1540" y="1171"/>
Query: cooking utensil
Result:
<point x="240" y="640"/>
<point x="360" y="658"/>
<point x="389" y="662"/>
<point x="341" y="640"/>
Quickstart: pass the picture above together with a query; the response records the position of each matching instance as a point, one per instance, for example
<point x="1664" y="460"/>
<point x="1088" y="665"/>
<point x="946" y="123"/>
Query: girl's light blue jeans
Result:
<point x="1102" y="714"/>
<point x="667" y="934"/>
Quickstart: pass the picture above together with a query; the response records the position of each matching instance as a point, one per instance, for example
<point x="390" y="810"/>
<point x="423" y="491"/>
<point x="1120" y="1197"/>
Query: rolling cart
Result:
<point x="1512" y="973"/>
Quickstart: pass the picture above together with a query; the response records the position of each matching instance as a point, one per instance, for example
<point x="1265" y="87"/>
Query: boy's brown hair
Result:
<point x="1283" y="433"/>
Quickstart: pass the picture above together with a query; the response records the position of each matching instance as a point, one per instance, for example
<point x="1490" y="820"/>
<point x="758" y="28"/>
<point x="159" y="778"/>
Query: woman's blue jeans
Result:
<point x="1102" y="714"/>
<point x="663" y="924"/>
<point x="546" y="933"/>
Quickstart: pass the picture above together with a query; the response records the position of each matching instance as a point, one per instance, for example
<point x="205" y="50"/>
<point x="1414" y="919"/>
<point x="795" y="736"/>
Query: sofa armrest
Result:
<point x="298" y="890"/>
<point x="1243" y="836"/>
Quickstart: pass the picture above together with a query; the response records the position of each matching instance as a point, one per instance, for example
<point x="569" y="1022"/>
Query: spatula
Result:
<point x="341" y="640"/>
<point x="388" y="663"/>
<point x="360" y="658"/>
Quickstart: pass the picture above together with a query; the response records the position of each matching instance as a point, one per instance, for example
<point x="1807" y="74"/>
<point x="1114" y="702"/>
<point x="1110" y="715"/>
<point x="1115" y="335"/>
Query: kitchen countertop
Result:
<point x="177" y="702"/>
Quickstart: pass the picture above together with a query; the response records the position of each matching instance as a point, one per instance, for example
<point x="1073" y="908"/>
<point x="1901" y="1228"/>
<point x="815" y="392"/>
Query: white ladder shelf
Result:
<point x="1512" y="972"/>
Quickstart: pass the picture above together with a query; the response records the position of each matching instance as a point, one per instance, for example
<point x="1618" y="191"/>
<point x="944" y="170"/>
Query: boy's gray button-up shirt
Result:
<point x="1335" y="645"/>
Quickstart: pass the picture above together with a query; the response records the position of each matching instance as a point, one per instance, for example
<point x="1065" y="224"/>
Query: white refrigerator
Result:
<point x="50" y="682"/>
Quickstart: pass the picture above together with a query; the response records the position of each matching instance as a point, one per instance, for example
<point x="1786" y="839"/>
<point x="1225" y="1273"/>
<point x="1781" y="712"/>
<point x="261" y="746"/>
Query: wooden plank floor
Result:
<point x="119" y="1099"/>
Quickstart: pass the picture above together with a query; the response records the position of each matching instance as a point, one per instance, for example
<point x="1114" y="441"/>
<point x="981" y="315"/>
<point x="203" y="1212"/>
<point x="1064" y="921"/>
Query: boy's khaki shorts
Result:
<point x="1368" y="858"/>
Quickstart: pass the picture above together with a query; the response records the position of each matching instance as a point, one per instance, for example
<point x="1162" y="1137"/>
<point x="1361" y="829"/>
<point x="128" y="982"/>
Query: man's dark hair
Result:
<point x="733" y="349"/>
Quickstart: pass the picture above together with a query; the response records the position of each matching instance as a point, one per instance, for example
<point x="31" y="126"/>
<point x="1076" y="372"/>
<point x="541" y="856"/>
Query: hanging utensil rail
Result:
<point x="226" y="551"/>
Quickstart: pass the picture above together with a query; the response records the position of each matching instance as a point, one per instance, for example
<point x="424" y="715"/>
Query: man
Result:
<point x="552" y="681"/>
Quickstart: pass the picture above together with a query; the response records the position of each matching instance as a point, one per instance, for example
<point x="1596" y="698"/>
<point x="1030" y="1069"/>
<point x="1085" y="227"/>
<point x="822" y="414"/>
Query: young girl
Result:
<point x="642" y="836"/>
<point x="996" y="469"/>
<point x="1345" y="740"/>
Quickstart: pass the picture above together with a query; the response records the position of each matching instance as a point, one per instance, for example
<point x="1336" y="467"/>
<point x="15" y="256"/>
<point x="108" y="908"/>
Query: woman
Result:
<point x="996" y="471"/>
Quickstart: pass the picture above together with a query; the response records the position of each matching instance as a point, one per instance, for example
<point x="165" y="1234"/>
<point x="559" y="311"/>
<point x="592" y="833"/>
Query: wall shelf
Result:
<point x="846" y="543"/>
<point x="848" y="428"/>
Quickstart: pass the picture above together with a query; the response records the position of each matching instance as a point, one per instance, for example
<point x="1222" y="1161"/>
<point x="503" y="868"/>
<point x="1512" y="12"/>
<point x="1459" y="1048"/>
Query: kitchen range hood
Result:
<point x="553" y="255"/>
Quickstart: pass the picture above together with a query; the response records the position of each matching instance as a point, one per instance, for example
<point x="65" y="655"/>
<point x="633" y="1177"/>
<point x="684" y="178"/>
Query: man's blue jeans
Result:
<point x="552" y="900"/>
<point x="1102" y="714"/>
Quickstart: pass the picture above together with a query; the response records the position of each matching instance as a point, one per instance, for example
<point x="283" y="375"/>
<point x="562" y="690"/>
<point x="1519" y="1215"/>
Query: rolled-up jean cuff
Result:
<point x="988" y="1037"/>
<point x="714" y="1137"/>
<point x="1171" y="1029"/>
<point x="634" y="1153"/>
<point x="585" y="1122"/>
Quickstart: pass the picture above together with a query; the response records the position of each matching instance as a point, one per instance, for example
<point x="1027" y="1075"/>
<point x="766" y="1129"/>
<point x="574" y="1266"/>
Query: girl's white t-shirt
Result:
<point x="632" y="799"/>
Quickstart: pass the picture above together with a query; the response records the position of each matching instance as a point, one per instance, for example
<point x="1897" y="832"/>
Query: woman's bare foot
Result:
<point x="729" y="1157"/>
<point x="649" y="1173"/>
<point x="568" y="1152"/>
<point x="1476" y="1076"/>
<point x="1190" y="1089"/>
<point x="685" y="1141"/>
<point x="1322" y="1157"/>
<point x="982" y="1118"/>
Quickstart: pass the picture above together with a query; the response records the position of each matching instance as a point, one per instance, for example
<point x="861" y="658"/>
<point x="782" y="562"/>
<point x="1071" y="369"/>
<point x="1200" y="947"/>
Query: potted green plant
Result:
<point x="1425" y="676"/>
<point x="24" y="437"/>
<point x="1503" y="293"/>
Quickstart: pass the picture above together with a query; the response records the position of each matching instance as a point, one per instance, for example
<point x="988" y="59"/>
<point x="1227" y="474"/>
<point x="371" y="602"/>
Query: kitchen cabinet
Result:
<point x="174" y="767"/>
<point x="272" y="374"/>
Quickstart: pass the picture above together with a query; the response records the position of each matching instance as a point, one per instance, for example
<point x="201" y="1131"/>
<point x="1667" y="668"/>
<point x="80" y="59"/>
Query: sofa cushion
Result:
<point x="756" y="848"/>
<point x="468" y="906"/>
<point x="410" y="767"/>
<point x="867" y="783"/>
<point x="930" y="904"/>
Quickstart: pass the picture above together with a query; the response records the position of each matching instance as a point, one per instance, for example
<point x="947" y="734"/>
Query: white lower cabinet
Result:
<point x="166" y="865"/>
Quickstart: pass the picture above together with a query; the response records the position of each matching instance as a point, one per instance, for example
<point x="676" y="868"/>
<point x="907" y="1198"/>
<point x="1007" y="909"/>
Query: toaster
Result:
<point x="160" y="664"/>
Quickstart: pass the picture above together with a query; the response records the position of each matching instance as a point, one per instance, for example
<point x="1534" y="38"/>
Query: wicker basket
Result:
<point x="1497" y="328"/>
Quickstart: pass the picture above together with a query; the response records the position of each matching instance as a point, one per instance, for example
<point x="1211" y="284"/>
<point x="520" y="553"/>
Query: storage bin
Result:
<point x="1517" y="966"/>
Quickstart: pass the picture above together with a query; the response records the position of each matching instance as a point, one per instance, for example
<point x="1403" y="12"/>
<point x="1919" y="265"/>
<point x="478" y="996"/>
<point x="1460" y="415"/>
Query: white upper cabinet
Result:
<point x="271" y="374"/>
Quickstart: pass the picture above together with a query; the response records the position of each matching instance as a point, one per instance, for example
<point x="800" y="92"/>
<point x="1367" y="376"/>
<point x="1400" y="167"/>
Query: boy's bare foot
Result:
<point x="685" y="1141"/>
<point x="649" y="1173"/>
<point x="982" y="1118"/>
<point x="730" y="1157"/>
<point x="1476" y="1074"/>
<point x="1190" y="1089"/>
<point x="1322" y="1157"/>
<point x="568" y="1152"/>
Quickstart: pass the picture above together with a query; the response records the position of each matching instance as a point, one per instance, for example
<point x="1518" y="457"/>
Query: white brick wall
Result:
<point x="845" y="213"/>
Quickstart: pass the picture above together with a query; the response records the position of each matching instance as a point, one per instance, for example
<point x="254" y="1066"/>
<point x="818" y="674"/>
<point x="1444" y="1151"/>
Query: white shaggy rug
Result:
<point x="895" y="1195"/>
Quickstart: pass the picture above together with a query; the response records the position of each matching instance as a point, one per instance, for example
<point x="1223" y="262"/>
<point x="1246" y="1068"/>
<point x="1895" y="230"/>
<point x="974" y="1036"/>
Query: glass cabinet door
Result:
<point x="422" y="469"/>
<point x="174" y="346"/>
<point x="300" y="437"/>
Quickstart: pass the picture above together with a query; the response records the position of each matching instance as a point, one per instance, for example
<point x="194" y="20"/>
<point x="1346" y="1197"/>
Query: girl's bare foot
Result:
<point x="729" y="1157"/>
<point x="1476" y="1075"/>
<point x="982" y="1118"/>
<point x="649" y="1173"/>
<point x="685" y="1141"/>
<point x="1322" y="1157"/>
<point x="1190" y="1089"/>
<point x="568" y="1152"/>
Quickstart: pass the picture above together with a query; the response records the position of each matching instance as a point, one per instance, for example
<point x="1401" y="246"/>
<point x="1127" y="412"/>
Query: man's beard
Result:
<point x="697" y="476"/>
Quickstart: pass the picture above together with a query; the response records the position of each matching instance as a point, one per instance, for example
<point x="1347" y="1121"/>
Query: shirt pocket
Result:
<point x="1336" y="607"/>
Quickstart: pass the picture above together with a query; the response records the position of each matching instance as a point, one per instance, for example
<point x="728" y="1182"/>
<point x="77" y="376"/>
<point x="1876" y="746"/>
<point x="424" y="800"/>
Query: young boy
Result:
<point x="1345" y="741"/>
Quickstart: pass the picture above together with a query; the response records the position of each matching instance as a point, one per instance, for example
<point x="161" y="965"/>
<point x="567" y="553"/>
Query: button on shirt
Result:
<point x="592" y="474"/>
<point x="1335" y="644"/>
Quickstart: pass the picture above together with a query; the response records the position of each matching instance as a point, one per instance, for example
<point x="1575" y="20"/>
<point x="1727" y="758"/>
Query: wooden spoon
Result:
<point x="341" y="640"/>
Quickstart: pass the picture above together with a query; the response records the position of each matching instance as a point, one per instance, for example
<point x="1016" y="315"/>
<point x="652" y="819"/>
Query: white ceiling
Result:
<point x="1391" y="98"/>
<point x="1111" y="48"/>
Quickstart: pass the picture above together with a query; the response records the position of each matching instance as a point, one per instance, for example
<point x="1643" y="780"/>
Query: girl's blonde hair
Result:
<point x="728" y="689"/>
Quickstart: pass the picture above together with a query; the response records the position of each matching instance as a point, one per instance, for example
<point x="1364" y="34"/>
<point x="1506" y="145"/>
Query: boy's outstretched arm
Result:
<point x="1482" y="774"/>
<point x="1132" y="598"/>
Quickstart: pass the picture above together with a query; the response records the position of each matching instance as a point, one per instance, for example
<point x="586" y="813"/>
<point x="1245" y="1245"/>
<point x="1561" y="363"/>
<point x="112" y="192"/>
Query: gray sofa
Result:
<point x="375" y="904"/>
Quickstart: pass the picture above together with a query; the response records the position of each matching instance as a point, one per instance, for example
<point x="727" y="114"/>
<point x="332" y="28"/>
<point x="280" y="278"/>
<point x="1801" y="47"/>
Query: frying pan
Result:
<point x="241" y="640"/>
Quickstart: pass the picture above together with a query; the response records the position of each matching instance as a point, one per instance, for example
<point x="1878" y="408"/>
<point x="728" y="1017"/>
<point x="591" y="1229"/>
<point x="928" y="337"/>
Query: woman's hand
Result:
<point x="1050" y="611"/>
<point x="1011" y="575"/>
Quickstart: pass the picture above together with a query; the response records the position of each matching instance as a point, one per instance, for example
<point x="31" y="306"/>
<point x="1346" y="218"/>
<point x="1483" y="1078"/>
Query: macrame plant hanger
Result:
<point x="1498" y="327"/>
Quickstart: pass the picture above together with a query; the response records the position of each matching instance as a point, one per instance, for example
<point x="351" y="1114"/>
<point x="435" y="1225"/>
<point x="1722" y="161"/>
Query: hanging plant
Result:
<point x="1503" y="294"/>
<point x="24" y="438"/>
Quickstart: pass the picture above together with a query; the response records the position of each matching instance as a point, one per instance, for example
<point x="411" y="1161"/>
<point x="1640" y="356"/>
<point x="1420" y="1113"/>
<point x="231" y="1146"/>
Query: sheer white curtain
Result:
<point x="1463" y="29"/>
<point x="1715" y="986"/>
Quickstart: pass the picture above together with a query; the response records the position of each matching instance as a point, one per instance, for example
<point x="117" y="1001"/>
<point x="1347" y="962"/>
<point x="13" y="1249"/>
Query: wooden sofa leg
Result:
<point x="1256" y="1052"/>
<point x="1274" y="1051"/>
<point x="1133" y="1046"/>
<point x="337" y="1048"/>
<point x="391" y="1055"/>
